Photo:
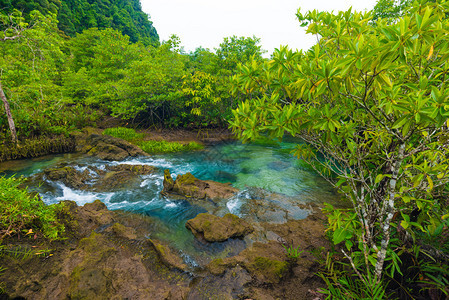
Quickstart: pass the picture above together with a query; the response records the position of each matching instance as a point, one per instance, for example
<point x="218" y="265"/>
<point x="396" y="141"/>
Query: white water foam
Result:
<point x="235" y="203"/>
<point x="80" y="197"/>
<point x="171" y="205"/>
<point x="152" y="179"/>
<point x="158" y="162"/>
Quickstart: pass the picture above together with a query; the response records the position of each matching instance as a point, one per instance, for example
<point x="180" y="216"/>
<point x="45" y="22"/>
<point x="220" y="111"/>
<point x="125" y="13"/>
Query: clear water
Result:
<point x="268" y="175"/>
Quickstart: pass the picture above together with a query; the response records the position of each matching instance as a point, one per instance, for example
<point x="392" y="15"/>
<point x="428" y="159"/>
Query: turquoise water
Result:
<point x="267" y="175"/>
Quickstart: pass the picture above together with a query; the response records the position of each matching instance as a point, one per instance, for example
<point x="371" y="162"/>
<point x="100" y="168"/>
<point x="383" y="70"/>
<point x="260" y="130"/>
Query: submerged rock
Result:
<point x="215" y="229"/>
<point x="189" y="186"/>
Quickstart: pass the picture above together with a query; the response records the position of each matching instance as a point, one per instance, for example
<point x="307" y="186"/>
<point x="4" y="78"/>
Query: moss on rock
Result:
<point x="216" y="229"/>
<point x="272" y="270"/>
<point x="168" y="257"/>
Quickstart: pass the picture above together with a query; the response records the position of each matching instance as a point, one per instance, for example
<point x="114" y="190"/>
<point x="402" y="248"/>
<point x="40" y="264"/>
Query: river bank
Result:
<point x="36" y="147"/>
<point x="107" y="255"/>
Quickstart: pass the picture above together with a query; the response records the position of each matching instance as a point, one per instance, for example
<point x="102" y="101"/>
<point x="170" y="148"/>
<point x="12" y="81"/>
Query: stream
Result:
<point x="274" y="187"/>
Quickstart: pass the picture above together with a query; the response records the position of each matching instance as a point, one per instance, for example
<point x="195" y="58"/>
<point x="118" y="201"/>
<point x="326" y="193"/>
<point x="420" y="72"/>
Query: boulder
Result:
<point x="189" y="186"/>
<point x="106" y="147"/>
<point x="67" y="175"/>
<point x="215" y="229"/>
<point x="168" y="181"/>
<point x="108" y="152"/>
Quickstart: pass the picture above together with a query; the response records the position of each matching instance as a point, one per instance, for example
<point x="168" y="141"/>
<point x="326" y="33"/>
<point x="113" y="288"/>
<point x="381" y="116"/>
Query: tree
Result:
<point x="238" y="50"/>
<point x="373" y="101"/>
<point x="74" y="16"/>
<point x="13" y="27"/>
<point x="390" y="10"/>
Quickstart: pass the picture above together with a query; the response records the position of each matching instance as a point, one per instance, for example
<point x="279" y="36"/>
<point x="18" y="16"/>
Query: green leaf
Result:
<point x="379" y="178"/>
<point x="341" y="234"/>
<point x="404" y="224"/>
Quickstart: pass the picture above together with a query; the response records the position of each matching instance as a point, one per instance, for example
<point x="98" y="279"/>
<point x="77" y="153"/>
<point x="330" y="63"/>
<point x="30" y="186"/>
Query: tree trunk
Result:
<point x="390" y="210"/>
<point x="12" y="126"/>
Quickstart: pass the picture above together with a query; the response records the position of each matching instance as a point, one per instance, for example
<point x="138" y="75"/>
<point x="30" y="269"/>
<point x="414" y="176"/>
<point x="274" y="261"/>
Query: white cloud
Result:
<point x="205" y="23"/>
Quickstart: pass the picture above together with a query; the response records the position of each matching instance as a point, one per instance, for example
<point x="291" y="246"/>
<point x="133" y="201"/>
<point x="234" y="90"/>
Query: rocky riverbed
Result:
<point x="115" y="254"/>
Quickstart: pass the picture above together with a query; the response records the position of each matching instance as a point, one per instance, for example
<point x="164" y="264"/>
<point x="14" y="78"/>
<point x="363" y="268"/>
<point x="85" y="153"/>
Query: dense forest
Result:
<point x="370" y="101"/>
<point x="102" y="72"/>
<point x="73" y="16"/>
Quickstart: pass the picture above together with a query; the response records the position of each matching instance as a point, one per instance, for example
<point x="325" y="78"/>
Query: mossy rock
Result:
<point x="168" y="256"/>
<point x="123" y="231"/>
<point x="219" y="266"/>
<point x="108" y="152"/>
<point x="272" y="270"/>
<point x="67" y="175"/>
<point x="87" y="280"/>
<point x="215" y="229"/>
<point x="168" y="181"/>
<point x="186" y="179"/>
<point x="190" y="187"/>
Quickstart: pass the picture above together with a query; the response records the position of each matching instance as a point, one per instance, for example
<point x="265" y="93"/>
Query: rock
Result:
<point x="108" y="152"/>
<point x="106" y="147"/>
<point x="93" y="263"/>
<point x="270" y="270"/>
<point x="123" y="231"/>
<point x="95" y="179"/>
<point x="68" y="175"/>
<point x="188" y="186"/>
<point x="266" y="262"/>
<point x="80" y="220"/>
<point x="168" y="257"/>
<point x="230" y="285"/>
<point x="216" y="229"/>
<point x="121" y="177"/>
<point x="168" y="181"/>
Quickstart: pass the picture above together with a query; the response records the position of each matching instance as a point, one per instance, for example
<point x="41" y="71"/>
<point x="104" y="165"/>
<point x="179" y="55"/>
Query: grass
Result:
<point x="127" y="134"/>
<point x="154" y="147"/>
<point x="22" y="213"/>
<point x="150" y="147"/>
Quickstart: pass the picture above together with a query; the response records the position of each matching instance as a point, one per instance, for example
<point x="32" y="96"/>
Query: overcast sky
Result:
<point x="206" y="22"/>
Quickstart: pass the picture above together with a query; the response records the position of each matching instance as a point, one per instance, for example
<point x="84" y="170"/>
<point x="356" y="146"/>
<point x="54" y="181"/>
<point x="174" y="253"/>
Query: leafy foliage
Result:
<point x="390" y="10"/>
<point x="55" y="85"/>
